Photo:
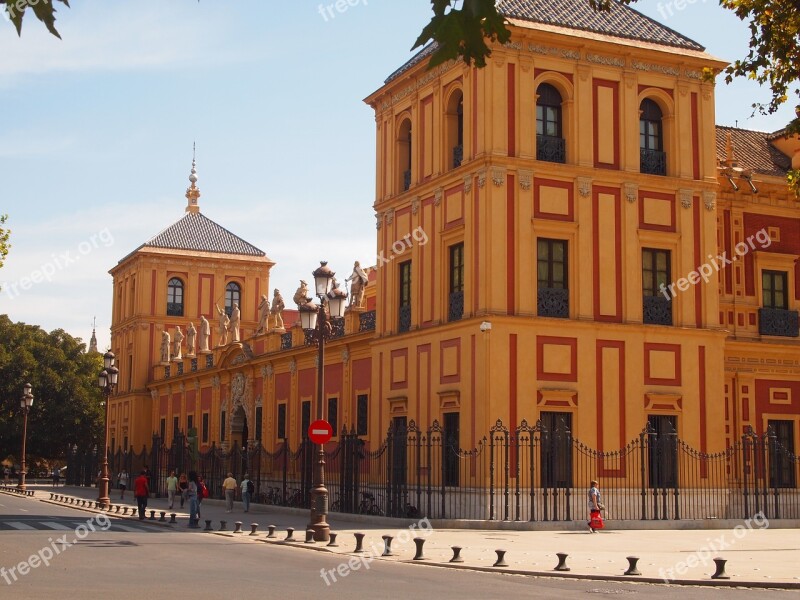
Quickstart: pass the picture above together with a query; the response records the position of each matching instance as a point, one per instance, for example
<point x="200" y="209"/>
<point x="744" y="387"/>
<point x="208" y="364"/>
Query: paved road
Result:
<point x="154" y="562"/>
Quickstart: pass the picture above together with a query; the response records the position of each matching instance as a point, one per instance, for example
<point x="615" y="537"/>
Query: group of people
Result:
<point x="189" y="488"/>
<point x="229" y="486"/>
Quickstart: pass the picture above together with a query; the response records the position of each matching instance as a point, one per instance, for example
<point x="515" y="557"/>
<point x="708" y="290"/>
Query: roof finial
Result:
<point x="93" y="341"/>
<point x="193" y="192"/>
<point x="730" y="156"/>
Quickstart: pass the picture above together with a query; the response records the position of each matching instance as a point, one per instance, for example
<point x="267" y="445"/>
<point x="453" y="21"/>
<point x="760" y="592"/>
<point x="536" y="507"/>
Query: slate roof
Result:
<point x="196" y="232"/>
<point x="620" y="21"/>
<point x="753" y="150"/>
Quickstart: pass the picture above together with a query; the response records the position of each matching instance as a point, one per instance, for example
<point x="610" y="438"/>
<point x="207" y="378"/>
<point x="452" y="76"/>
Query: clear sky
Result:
<point x="97" y="132"/>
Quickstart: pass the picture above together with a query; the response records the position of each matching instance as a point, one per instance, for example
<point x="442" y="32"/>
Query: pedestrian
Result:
<point x="247" y="492"/>
<point x="594" y="505"/>
<point x="172" y="487"/>
<point x="148" y="475"/>
<point x="7" y="474"/>
<point x="229" y="487"/>
<point x="122" y="483"/>
<point x="56" y="476"/>
<point x="202" y="492"/>
<point x="193" y="495"/>
<point x="142" y="492"/>
<point x="183" y="485"/>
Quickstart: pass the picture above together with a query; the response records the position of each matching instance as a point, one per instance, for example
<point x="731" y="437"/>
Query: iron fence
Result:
<point x="528" y="473"/>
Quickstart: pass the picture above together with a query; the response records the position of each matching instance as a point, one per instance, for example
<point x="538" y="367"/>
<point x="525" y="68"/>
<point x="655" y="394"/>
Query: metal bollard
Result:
<point x="309" y="536"/>
<point x="223" y="526"/>
<point x="359" y="542"/>
<point x="51" y="495"/>
<point x="208" y="526"/>
<point x="124" y="510"/>
<point x="501" y="559"/>
<point x="332" y="543"/>
<point x="238" y="527"/>
<point x="271" y="529"/>
<point x="172" y="519"/>
<point x="253" y="528"/>
<point x="420" y="542"/>
<point x="387" y="545"/>
<point x="456" y="554"/>
<point x="117" y="507"/>
<point x="163" y="517"/>
<point x="720" y="572"/>
<point x="152" y="515"/>
<point x="632" y="568"/>
<point x="289" y="535"/>
<point x="562" y="562"/>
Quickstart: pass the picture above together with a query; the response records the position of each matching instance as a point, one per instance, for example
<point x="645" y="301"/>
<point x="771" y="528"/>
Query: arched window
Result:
<point x="404" y="154"/>
<point x="653" y="160"/>
<point x="175" y="297"/>
<point x="233" y="294"/>
<point x="549" y="130"/>
<point x="455" y="129"/>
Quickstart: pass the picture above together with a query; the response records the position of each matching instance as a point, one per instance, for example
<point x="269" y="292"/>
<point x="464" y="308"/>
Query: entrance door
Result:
<point x="556" y="454"/>
<point x="663" y="451"/>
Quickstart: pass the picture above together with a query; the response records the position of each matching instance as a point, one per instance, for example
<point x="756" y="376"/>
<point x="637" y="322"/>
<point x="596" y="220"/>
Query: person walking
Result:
<point x="193" y="495"/>
<point x="142" y="492"/>
<point x="594" y="504"/>
<point x="122" y="483"/>
<point x="202" y="492"/>
<point x="229" y="487"/>
<point x="247" y="492"/>
<point x="172" y="487"/>
<point x="183" y="485"/>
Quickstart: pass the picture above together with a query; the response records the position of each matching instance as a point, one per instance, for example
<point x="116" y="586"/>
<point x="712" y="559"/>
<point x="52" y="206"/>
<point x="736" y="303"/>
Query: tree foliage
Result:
<point x="44" y="10"/>
<point x="67" y="400"/>
<point x="5" y="235"/>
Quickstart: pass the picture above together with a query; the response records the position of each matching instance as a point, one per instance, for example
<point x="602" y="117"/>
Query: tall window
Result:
<point x="362" y="415"/>
<point x="452" y="445"/>
<point x="205" y="428"/>
<point x="281" y="429"/>
<point x="305" y="419"/>
<point x="663" y="451"/>
<point x="222" y="427"/>
<point x="651" y="139"/>
<point x="175" y="297"/>
<point x="781" y="454"/>
<point x="455" y="129"/>
<point x="456" y="308"/>
<point x="189" y="423"/>
<point x="163" y="428"/>
<point x="552" y="274"/>
<point x="233" y="294"/>
<point x="774" y="316"/>
<point x="130" y="372"/>
<point x="404" y="155"/>
<point x="556" y="457"/>
<point x="773" y="290"/>
<point x="333" y="414"/>
<point x="404" y="301"/>
<point x="549" y="131"/>
<point x="259" y="422"/>
<point x="176" y="425"/>
<point x="657" y="305"/>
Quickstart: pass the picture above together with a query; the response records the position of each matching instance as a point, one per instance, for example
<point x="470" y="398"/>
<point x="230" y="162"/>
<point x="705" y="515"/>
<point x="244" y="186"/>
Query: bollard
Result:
<point x="309" y="536"/>
<point x="208" y="525"/>
<point x="720" y="572"/>
<point x="332" y="543"/>
<point x="289" y="535"/>
<point x="387" y="545"/>
<point x="82" y="503"/>
<point x="456" y="555"/>
<point x="223" y="526"/>
<point x="253" y="528"/>
<point x="562" y="562"/>
<point x="359" y="543"/>
<point x="501" y="559"/>
<point x="117" y="507"/>
<point x="420" y="542"/>
<point x="124" y="510"/>
<point x="271" y="529"/>
<point x="152" y="515"/>
<point x="172" y="519"/>
<point x="51" y="495"/>
<point x="237" y="527"/>
<point x="632" y="569"/>
<point x="163" y="517"/>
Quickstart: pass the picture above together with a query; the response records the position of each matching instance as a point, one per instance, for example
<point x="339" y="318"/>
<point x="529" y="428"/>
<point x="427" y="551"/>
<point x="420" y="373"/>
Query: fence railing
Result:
<point x="528" y="473"/>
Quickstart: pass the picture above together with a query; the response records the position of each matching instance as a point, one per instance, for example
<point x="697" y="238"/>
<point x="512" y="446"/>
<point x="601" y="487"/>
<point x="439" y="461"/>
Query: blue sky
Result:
<point x="96" y="139"/>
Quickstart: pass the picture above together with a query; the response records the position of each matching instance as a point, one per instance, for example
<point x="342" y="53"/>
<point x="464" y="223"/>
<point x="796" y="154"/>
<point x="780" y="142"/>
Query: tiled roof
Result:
<point x="195" y="231"/>
<point x="753" y="150"/>
<point x="620" y="21"/>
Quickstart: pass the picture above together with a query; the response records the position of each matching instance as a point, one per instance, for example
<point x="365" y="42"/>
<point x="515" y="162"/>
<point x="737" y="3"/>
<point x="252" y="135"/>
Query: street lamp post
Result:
<point x="107" y="381"/>
<point x="25" y="404"/>
<point x="317" y="321"/>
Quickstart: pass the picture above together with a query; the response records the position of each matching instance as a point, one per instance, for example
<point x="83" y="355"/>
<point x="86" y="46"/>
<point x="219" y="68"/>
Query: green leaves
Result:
<point x="5" y="235"/>
<point x="44" y="10"/>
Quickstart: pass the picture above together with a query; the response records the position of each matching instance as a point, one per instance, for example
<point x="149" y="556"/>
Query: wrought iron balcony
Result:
<point x="777" y="321"/>
<point x="551" y="149"/>
<point x="180" y="368"/>
<point x="366" y="321"/>
<point x="405" y="318"/>
<point x="458" y="155"/>
<point x="337" y="328"/>
<point x="657" y="310"/>
<point x="194" y="364"/>
<point x="406" y="179"/>
<point x="553" y="302"/>
<point x="456" y="309"/>
<point x="652" y="162"/>
<point x="286" y="340"/>
<point x="174" y="309"/>
<point x="167" y="372"/>
<point x="209" y="361"/>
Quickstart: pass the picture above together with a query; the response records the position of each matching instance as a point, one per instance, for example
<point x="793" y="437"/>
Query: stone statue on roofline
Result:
<point x="177" y="343"/>
<point x="191" y="333"/>
<point x="358" y="282"/>
<point x="235" y="322"/>
<point x="205" y="335"/>
<point x="277" y="310"/>
<point x="165" y="347"/>
<point x="301" y="296"/>
<point x="263" y="315"/>
<point x="224" y="323"/>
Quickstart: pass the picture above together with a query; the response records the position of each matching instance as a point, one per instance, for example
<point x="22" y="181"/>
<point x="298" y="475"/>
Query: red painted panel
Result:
<point x="283" y="386"/>
<point x="476" y="229"/>
<point x="423" y="354"/>
<point x="620" y="442"/>
<point x="541" y="341"/>
<point x="307" y="382"/>
<point x="152" y="294"/>
<point x="663" y="198"/>
<point x="421" y="137"/>
<point x="763" y="404"/>
<point x="512" y="110"/>
<point x="475" y="105"/>
<point x="399" y="381"/>
<point x="334" y="377"/>
<point x="200" y="280"/>
<point x="511" y="268"/>
<point x="362" y="374"/>
<point x="726" y="235"/>
<point x="614" y="85"/>
<point x="443" y="345"/>
<point x="698" y="260"/>
<point x="596" y="191"/>
<point x="566" y="185"/>
<point x="701" y="363"/>
<point x="205" y="399"/>
<point x="676" y="350"/>
<point x="163" y="405"/>
<point x="512" y="394"/>
<point x="788" y="244"/>
<point x="191" y="404"/>
<point x="695" y="139"/>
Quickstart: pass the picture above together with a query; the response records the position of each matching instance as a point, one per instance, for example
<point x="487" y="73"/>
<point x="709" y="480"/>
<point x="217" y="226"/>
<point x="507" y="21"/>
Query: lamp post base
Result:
<point x="319" y="502"/>
<point x="21" y="485"/>
<point x="102" y="498"/>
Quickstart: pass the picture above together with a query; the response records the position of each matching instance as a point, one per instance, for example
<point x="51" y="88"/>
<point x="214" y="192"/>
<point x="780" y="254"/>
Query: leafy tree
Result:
<point x="67" y="400"/>
<point x="44" y="10"/>
<point x="5" y="234"/>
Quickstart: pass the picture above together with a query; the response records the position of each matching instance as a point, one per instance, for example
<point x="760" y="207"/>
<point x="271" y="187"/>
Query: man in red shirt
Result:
<point x="142" y="492"/>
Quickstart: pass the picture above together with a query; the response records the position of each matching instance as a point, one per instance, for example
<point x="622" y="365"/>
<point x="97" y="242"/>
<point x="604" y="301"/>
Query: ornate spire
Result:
<point x="93" y="341"/>
<point x="730" y="151"/>
<point x="193" y="192"/>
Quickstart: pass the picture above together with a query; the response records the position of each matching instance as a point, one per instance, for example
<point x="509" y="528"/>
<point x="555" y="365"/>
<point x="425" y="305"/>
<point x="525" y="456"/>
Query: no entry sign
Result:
<point x="320" y="432"/>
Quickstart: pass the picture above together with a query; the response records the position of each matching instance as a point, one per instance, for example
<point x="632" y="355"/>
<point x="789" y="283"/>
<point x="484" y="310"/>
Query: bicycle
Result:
<point x="295" y="499"/>
<point x="368" y="506"/>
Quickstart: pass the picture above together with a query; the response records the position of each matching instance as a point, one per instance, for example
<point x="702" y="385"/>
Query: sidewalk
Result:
<point x="756" y="555"/>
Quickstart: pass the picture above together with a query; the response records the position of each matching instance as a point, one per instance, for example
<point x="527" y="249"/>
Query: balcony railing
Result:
<point x="657" y="310"/>
<point x="366" y="321"/>
<point x="777" y="321"/>
<point x="652" y="162"/>
<point x="553" y="302"/>
<point x="406" y="179"/>
<point x="174" y="309"/>
<point x="551" y="149"/>
<point x="405" y="318"/>
<point x="458" y="156"/>
<point x="456" y="309"/>
<point x="286" y="340"/>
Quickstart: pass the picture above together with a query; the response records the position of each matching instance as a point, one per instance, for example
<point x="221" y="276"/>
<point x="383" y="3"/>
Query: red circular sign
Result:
<point x="320" y="432"/>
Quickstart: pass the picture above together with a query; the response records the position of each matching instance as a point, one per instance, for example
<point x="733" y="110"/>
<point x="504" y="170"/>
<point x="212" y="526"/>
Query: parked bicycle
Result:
<point x="368" y="506"/>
